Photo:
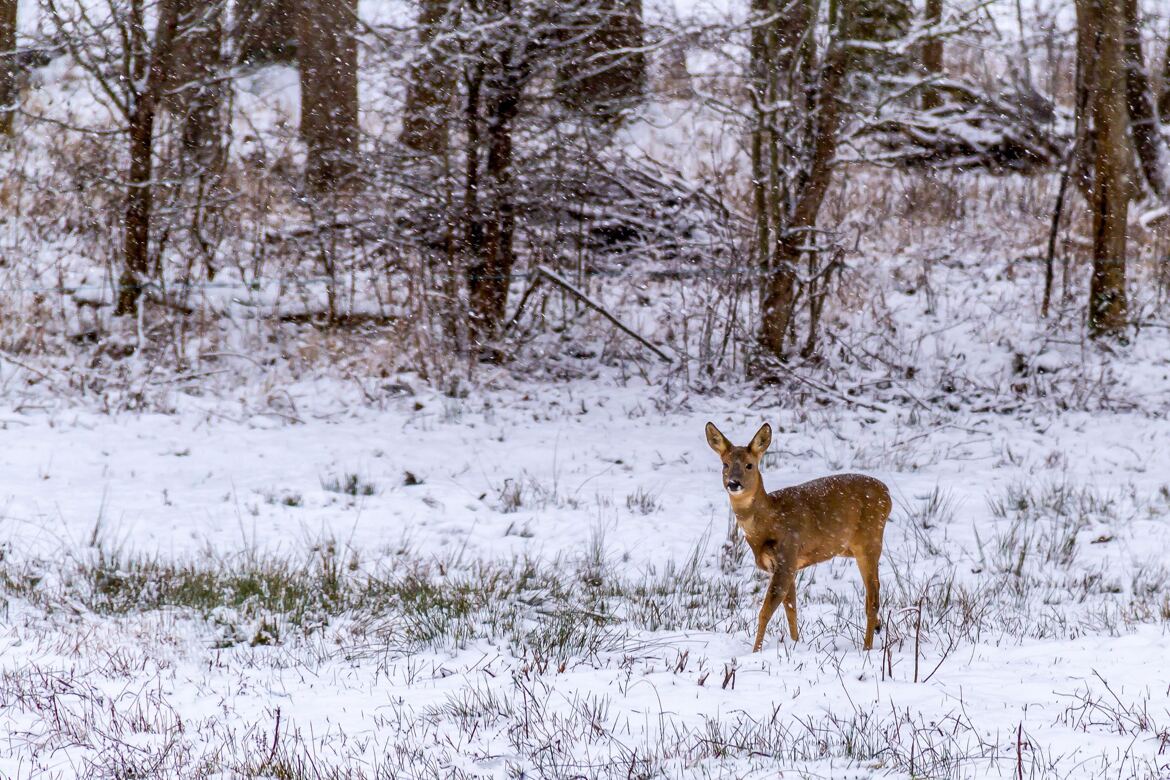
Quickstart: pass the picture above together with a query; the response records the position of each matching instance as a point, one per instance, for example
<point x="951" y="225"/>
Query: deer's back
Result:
<point x="830" y="516"/>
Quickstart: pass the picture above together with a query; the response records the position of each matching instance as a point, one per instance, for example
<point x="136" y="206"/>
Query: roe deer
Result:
<point x="789" y="529"/>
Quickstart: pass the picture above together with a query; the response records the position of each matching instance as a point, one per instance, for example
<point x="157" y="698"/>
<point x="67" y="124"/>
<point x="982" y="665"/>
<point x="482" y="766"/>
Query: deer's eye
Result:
<point x="749" y="467"/>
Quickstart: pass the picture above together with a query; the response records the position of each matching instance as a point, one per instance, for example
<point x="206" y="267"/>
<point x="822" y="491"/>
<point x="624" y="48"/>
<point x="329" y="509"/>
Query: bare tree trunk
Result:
<point x="762" y="83"/>
<point x="1102" y="22"/>
<point x="1164" y="100"/>
<point x="196" y="78"/>
<point x="1085" y="151"/>
<point x="878" y="21"/>
<point x="792" y="206"/>
<point x="473" y="220"/>
<point x="491" y="271"/>
<point x="327" y="42"/>
<point x="779" y="300"/>
<point x="265" y="30"/>
<point x="431" y="82"/>
<point x="1143" y="116"/>
<point x="197" y="97"/>
<point x="612" y="67"/>
<point x="932" y="55"/>
<point x="151" y="65"/>
<point x="8" y="90"/>
<point x="774" y="51"/>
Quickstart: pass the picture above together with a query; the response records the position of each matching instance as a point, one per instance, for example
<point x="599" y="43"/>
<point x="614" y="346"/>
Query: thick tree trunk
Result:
<point x="491" y="272"/>
<point x="196" y="78"/>
<point x="265" y="30"/>
<point x="779" y="300"/>
<point x="1143" y="116"/>
<point x="776" y="76"/>
<point x="1164" y="100"/>
<point x="826" y="134"/>
<point x="1111" y="191"/>
<point x="1085" y="150"/>
<point x="139" y="205"/>
<point x="932" y="56"/>
<point x="430" y="86"/>
<point x="153" y="65"/>
<point x="197" y="97"/>
<point x="327" y="42"/>
<point x="762" y="140"/>
<point x="878" y="21"/>
<point x="472" y="219"/>
<point x="8" y="90"/>
<point x="612" y="67"/>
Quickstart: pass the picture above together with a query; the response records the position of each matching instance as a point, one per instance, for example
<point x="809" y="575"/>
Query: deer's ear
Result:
<point x="761" y="440"/>
<point x="717" y="440"/>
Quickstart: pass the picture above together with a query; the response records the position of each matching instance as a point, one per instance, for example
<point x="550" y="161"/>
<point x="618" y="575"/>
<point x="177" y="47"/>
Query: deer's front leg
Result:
<point x="790" y="607"/>
<point x="772" y="598"/>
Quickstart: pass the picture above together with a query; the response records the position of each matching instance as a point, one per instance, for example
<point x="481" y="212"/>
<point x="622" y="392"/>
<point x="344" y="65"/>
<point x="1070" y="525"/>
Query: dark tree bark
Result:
<point x="932" y="56"/>
<point x="327" y="42"/>
<point x="608" y="67"/>
<point x="150" y="65"/>
<point x="197" y="98"/>
<point x="196" y="81"/>
<point x="490" y="272"/>
<point x="1164" y="100"/>
<point x="265" y="30"/>
<point x="1101" y="25"/>
<point x="878" y="21"/>
<point x="1085" y="147"/>
<point x="430" y="87"/>
<point x="792" y="150"/>
<point x="8" y="90"/>
<point x="472" y="219"/>
<point x="1143" y="115"/>
<point x="774" y="54"/>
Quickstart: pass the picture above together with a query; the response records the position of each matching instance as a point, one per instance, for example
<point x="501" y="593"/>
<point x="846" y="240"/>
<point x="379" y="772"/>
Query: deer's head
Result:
<point x="741" y="465"/>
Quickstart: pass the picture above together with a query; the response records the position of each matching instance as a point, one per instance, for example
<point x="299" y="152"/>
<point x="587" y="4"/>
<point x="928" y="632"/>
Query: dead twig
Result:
<point x="565" y="285"/>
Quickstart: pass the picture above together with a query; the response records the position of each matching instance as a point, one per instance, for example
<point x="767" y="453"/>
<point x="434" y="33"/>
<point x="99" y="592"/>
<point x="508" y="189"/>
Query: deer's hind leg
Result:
<point x="867" y="564"/>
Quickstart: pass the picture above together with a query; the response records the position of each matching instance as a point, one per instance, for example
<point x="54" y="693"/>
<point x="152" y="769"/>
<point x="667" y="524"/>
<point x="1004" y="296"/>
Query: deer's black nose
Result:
<point x="734" y="485"/>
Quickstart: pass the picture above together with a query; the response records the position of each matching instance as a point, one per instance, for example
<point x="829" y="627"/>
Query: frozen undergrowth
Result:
<point x="937" y="310"/>
<point x="937" y="306"/>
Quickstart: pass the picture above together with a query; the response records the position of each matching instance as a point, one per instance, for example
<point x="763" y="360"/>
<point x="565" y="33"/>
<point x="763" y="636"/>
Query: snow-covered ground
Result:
<point x="1029" y="553"/>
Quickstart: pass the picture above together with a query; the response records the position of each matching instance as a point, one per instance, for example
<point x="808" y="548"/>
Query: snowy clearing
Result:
<point x="585" y="614"/>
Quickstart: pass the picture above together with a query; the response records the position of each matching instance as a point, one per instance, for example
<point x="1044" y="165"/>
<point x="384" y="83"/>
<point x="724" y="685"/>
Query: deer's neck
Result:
<point x="748" y="505"/>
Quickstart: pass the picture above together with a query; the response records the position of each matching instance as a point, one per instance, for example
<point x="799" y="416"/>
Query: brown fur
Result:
<point x="842" y="515"/>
